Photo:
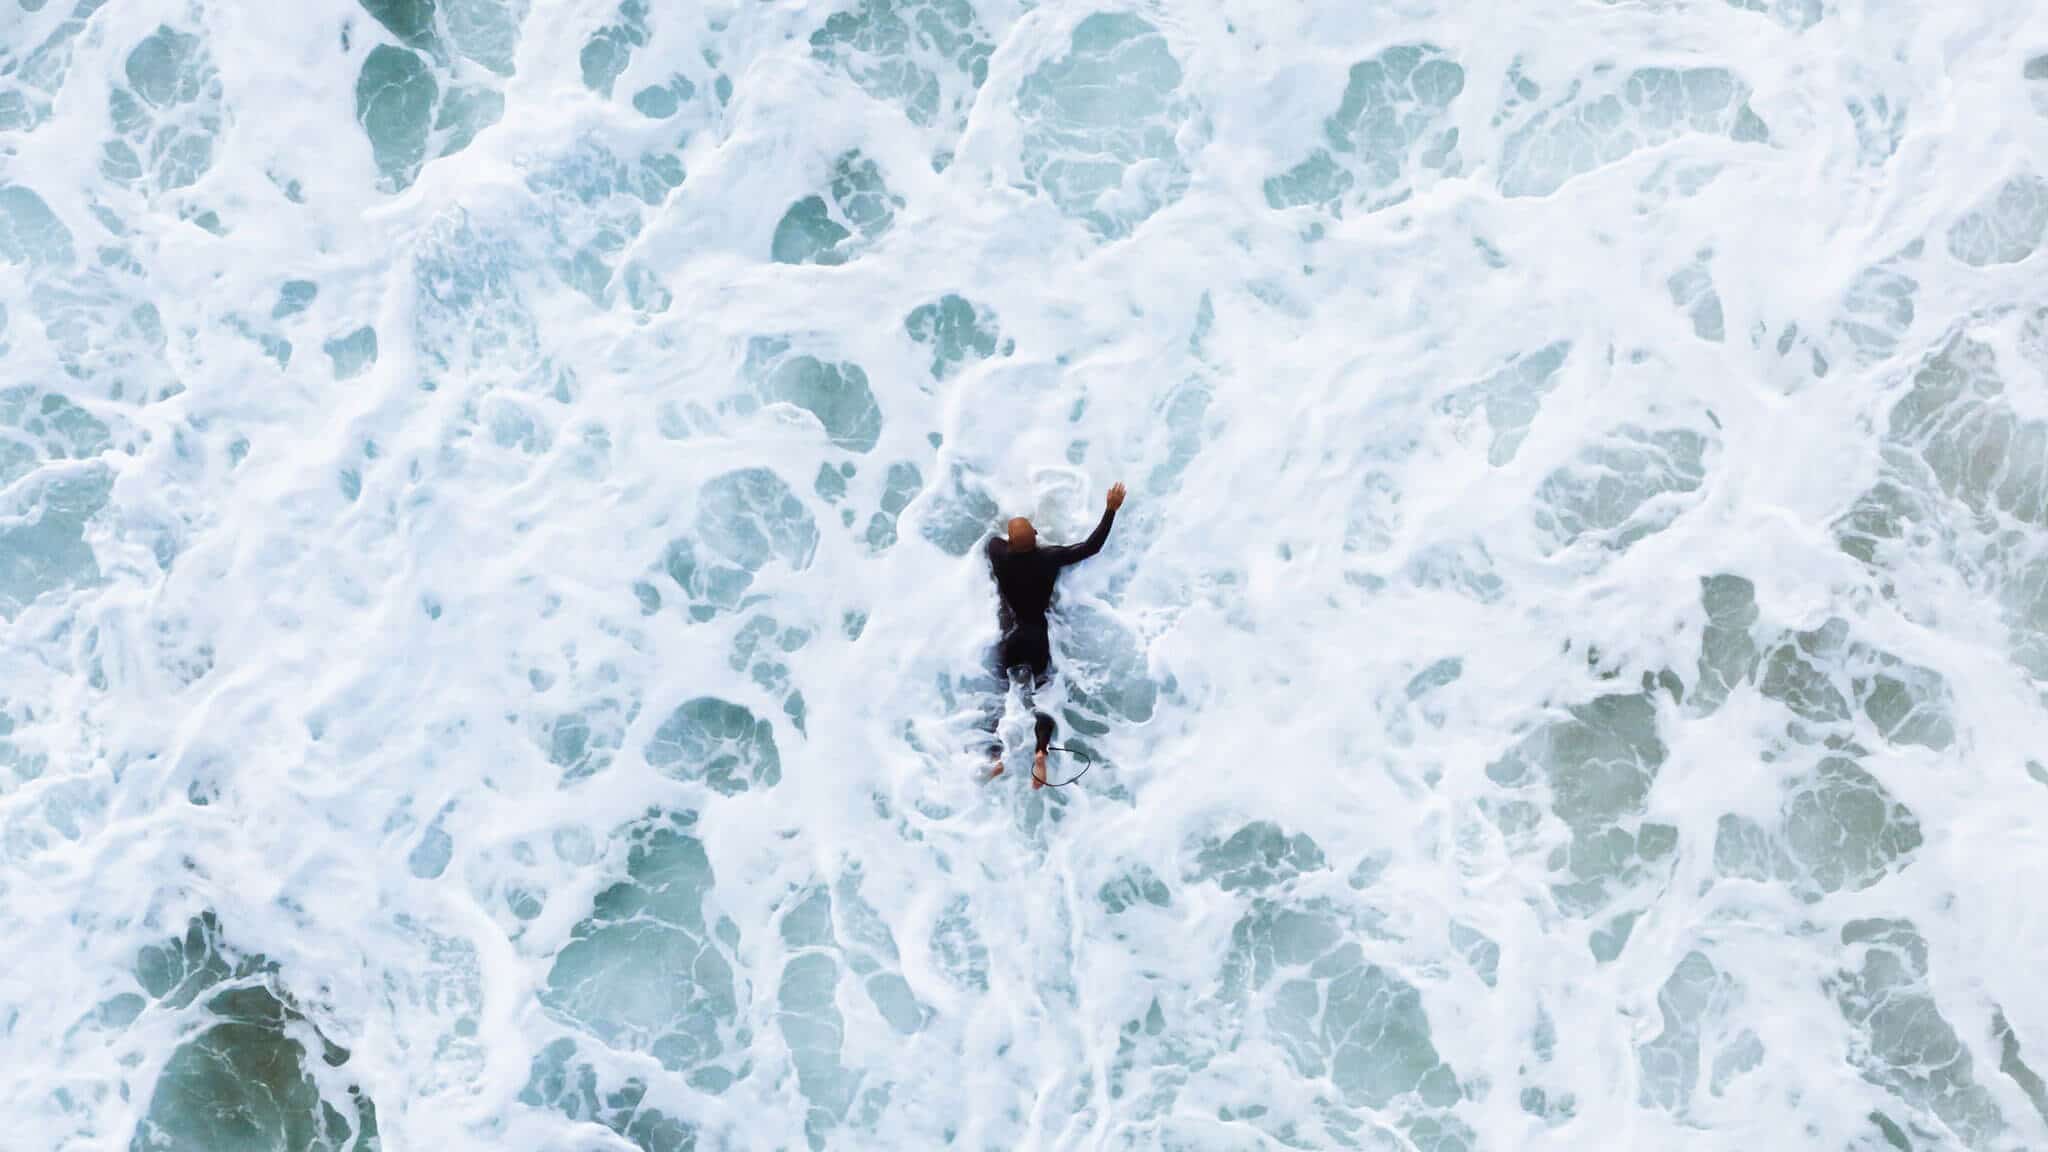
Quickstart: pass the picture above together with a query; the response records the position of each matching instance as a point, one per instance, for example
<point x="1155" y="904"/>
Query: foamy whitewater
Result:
<point x="492" y="612"/>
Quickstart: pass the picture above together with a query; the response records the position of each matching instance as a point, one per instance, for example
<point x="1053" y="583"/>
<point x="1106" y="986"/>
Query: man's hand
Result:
<point x="1116" y="497"/>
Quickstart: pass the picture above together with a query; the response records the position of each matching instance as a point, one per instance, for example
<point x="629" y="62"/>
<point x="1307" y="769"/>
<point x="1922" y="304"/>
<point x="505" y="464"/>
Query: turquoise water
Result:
<point x="491" y="625"/>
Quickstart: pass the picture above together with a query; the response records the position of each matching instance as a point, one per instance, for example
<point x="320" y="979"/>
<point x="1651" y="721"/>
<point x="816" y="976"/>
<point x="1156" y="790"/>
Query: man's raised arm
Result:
<point x="1075" y="553"/>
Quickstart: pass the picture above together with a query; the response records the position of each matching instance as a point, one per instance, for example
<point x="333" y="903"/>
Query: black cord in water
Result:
<point x="1076" y="776"/>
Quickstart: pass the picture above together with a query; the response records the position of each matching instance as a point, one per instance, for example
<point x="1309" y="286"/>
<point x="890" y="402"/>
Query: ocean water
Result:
<point x="491" y="625"/>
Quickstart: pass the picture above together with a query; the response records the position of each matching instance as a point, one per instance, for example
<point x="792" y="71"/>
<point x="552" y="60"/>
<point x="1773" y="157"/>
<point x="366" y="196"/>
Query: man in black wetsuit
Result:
<point x="1024" y="574"/>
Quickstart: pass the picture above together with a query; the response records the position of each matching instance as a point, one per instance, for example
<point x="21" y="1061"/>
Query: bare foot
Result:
<point x="1038" y="770"/>
<point x="994" y="770"/>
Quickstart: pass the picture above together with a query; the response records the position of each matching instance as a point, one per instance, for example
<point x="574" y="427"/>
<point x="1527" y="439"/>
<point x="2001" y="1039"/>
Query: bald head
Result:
<point x="1023" y="537"/>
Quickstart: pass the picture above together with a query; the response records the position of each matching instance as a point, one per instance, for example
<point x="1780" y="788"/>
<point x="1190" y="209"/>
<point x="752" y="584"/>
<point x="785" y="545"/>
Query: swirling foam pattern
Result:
<point x="491" y="628"/>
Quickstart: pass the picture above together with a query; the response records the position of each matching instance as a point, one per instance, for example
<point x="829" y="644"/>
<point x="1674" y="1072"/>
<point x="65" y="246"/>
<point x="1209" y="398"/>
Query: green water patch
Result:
<point x="1603" y="119"/>
<point x="1621" y="488"/>
<point x="29" y="232"/>
<point x="900" y="486"/>
<point x="1901" y="1042"/>
<point x="1728" y="643"/>
<point x="2006" y="228"/>
<point x="29" y="84"/>
<point x="1393" y="125"/>
<point x="808" y="1016"/>
<point x="1510" y="398"/>
<point x="395" y="96"/>
<point x="959" y="514"/>
<point x="610" y="49"/>
<point x="1597" y="763"/>
<point x="352" y="353"/>
<point x="1877" y="308"/>
<point x="717" y="743"/>
<point x="1102" y="125"/>
<point x="1341" y="1019"/>
<point x="761" y="649"/>
<point x="959" y="333"/>
<point x="927" y="57"/>
<point x="648" y="972"/>
<point x="1699" y="1041"/>
<point x="1692" y="292"/>
<point x="167" y="117"/>
<point x="1257" y="856"/>
<point x="245" y="1077"/>
<point x="745" y="520"/>
<point x="836" y="394"/>
<point x="558" y="1080"/>
<point x="1839" y="829"/>
<point x="584" y="741"/>
<point x="424" y="97"/>
<point x="855" y="211"/>
<point x="43" y="545"/>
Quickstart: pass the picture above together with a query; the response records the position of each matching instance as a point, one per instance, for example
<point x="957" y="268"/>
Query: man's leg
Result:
<point x="1040" y="677"/>
<point x="992" y="711"/>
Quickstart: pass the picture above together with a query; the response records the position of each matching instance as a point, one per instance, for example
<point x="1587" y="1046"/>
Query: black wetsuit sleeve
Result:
<point x="1075" y="553"/>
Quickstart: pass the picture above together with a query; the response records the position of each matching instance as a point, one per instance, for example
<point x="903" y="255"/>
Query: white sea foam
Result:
<point x="489" y="499"/>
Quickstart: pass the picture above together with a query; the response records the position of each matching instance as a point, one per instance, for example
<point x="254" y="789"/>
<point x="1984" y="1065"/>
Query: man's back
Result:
<point x="1025" y="579"/>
